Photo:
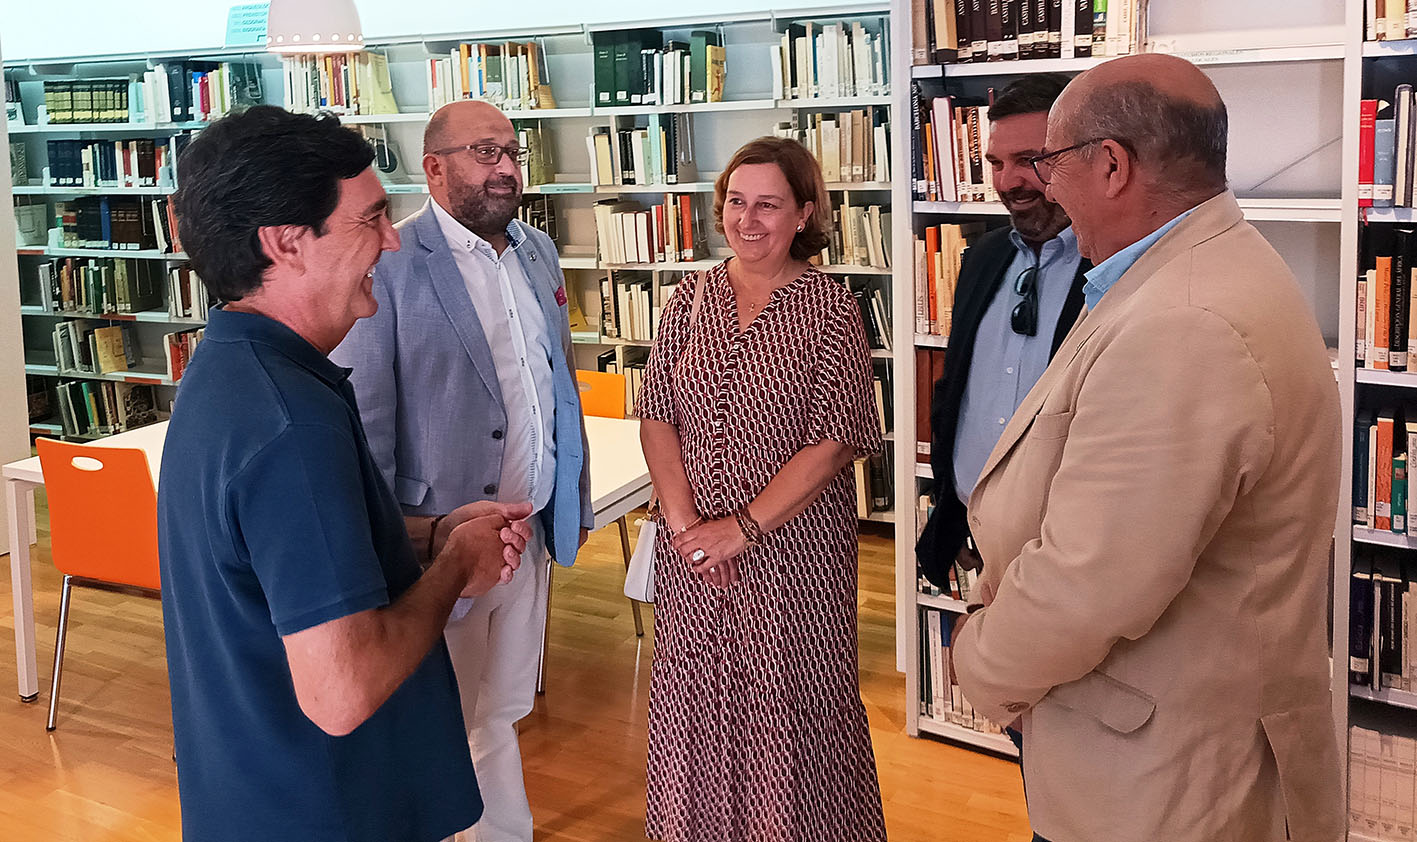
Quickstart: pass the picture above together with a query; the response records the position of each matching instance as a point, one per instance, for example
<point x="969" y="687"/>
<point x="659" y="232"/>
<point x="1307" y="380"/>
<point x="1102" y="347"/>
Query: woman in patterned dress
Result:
<point x="755" y="402"/>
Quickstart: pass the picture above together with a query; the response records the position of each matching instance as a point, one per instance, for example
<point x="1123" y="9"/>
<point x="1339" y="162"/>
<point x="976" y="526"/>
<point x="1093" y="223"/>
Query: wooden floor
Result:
<point x="107" y="772"/>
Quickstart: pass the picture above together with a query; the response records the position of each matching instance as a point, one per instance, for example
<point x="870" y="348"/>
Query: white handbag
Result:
<point x="639" y="574"/>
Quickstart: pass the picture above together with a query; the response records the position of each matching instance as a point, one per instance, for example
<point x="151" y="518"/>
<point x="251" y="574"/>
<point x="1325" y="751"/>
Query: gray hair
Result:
<point x="1185" y="137"/>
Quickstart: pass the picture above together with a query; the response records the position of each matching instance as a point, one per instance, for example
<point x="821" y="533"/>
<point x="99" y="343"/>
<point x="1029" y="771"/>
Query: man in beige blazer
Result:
<point x="1155" y="520"/>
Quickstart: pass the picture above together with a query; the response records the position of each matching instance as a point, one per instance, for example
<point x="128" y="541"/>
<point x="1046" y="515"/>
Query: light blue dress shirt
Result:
<point x="1005" y="365"/>
<point x="1104" y="275"/>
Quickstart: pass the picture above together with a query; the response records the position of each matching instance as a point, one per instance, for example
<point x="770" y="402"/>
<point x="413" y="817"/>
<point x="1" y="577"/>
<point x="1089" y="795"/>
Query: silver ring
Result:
<point x="713" y="569"/>
<point x="698" y="555"/>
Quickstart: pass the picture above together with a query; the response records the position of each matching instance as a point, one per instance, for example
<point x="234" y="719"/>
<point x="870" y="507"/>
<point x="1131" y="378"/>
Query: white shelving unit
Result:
<point x="715" y="129"/>
<point x="1295" y="176"/>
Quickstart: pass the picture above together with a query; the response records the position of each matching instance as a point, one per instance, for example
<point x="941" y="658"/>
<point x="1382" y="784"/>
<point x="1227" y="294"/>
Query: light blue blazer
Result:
<point x="428" y="390"/>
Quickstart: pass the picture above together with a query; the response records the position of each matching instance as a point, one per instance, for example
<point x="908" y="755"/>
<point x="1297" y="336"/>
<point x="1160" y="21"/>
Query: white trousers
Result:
<point x="495" y="648"/>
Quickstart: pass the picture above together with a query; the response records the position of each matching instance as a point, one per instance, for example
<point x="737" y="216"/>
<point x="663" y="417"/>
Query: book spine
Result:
<point x="1367" y="118"/>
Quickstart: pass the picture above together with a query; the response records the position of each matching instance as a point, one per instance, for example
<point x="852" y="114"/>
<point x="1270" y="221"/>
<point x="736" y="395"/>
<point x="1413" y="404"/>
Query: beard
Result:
<point x="1038" y="222"/>
<point x="484" y="214"/>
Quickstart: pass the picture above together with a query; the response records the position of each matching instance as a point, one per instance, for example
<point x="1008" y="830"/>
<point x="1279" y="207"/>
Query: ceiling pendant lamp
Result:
<point x="313" y="26"/>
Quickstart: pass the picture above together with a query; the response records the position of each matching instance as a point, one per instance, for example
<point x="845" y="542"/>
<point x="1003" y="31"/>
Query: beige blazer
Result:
<point x="1155" y="525"/>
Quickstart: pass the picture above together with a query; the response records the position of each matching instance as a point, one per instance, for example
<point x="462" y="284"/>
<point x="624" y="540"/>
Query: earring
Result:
<point x="800" y="226"/>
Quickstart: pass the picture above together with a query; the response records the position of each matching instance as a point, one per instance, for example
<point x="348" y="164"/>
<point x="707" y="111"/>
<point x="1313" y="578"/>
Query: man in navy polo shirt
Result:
<point x="312" y="694"/>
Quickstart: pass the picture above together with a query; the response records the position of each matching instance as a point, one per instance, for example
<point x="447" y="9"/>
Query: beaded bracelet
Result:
<point x="752" y="531"/>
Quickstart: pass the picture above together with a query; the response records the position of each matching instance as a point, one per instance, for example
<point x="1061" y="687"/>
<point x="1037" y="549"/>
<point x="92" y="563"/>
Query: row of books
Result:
<point x="1382" y="784"/>
<point x="539" y="167"/>
<point x="511" y="75"/>
<point x="1382" y="638"/>
<point x="86" y="347"/>
<point x="99" y="408"/>
<point x="637" y="67"/>
<point x="874" y="490"/>
<point x="1387" y="141"/>
<point x="173" y="91"/>
<point x="937" y="259"/>
<point x="850" y="146"/>
<point x="1382" y="441"/>
<point x="952" y="139"/>
<point x="860" y="235"/>
<point x="940" y="697"/>
<point x="99" y="285"/>
<point x="1001" y="30"/>
<point x="929" y="368"/>
<point x="1390" y="20"/>
<point x="540" y="213"/>
<point x="141" y="162"/>
<point x="178" y="348"/>
<point x="672" y="231"/>
<point x="630" y="304"/>
<point x="187" y="295"/>
<point x="831" y="60"/>
<point x="344" y="83"/>
<point x="658" y="152"/>
<point x="875" y="316"/>
<point x="1385" y="330"/>
<point x="117" y="222"/>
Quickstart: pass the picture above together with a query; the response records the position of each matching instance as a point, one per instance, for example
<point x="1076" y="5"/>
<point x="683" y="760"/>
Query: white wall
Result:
<point x="69" y="28"/>
<point x="14" y="413"/>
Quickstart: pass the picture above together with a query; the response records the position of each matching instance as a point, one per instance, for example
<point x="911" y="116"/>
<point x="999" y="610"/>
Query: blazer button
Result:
<point x="489" y="489"/>
<point x="497" y="434"/>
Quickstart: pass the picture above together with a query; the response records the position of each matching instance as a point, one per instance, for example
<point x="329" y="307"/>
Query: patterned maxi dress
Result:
<point x="757" y="732"/>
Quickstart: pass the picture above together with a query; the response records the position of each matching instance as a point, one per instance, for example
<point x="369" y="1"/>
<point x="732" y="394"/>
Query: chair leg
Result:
<point x="59" y="641"/>
<point x="545" y="634"/>
<point x="625" y="552"/>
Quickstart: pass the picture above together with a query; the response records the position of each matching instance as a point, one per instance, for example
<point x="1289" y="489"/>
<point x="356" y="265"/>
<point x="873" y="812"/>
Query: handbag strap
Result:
<point x="698" y="299"/>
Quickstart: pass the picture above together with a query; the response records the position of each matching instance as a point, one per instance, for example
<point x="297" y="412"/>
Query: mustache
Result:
<point x="508" y="183"/>
<point x="1022" y="194"/>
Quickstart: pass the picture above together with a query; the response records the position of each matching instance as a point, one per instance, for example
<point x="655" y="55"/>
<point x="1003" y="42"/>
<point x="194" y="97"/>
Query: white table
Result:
<point x="619" y="483"/>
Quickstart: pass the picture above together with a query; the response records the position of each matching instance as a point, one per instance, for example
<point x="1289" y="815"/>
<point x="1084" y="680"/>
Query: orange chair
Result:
<point x="602" y="393"/>
<point x="102" y="527"/>
<point x="602" y="396"/>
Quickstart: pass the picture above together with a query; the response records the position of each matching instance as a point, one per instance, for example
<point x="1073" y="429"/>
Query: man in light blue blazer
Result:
<point x="466" y="385"/>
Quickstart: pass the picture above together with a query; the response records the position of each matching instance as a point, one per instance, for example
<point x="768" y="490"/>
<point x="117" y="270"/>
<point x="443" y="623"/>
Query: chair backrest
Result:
<point x="602" y="393"/>
<point x="102" y="512"/>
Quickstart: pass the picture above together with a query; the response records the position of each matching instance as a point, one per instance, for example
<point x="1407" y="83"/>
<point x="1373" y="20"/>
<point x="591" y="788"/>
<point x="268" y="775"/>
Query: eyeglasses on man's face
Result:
<point x="489" y="154"/>
<point x="1043" y="164"/>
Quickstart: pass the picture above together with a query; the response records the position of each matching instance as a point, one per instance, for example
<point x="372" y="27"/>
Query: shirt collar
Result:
<point x="225" y="325"/>
<point x="1064" y="243"/>
<point x="458" y="235"/>
<point x="1106" y="274"/>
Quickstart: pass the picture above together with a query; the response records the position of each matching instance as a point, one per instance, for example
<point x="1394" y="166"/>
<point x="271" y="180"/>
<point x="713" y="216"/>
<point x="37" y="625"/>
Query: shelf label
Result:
<point x="246" y="25"/>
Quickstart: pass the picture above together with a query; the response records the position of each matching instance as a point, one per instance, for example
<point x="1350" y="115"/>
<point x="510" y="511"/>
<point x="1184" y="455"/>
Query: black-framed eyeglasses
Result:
<point x="1043" y="164"/>
<point x="489" y="153"/>
<point x="1024" y="319"/>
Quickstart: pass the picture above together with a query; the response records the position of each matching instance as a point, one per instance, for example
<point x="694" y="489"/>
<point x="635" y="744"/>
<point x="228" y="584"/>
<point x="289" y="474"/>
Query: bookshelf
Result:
<point x="1287" y="166"/>
<point x="750" y="106"/>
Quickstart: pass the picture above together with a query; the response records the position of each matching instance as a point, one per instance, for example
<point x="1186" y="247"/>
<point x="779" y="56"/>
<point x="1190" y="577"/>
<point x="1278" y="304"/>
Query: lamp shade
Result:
<point x="313" y="26"/>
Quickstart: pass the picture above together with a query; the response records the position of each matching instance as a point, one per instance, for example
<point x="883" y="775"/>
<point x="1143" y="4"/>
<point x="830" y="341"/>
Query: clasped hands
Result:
<point x="487" y="539"/>
<point x="712" y="548"/>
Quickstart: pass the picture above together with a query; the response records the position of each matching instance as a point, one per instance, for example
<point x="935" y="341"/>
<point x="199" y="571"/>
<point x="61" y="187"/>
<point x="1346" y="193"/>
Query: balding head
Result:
<point x="1163" y="109"/>
<point x="464" y="121"/>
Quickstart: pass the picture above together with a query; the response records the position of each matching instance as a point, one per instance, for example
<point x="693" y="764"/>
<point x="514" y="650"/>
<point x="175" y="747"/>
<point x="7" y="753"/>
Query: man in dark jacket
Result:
<point x="1019" y="292"/>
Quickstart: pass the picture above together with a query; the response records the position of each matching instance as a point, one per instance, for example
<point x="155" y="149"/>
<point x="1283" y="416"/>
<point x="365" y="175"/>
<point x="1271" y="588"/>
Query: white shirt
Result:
<point x="521" y="347"/>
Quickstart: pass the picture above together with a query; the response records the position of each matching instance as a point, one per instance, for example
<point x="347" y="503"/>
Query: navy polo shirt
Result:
<point x="273" y="518"/>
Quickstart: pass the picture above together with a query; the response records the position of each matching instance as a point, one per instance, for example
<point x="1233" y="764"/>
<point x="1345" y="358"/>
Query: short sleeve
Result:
<point x="844" y="397"/>
<point x="655" y="402"/>
<point x="300" y="512"/>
